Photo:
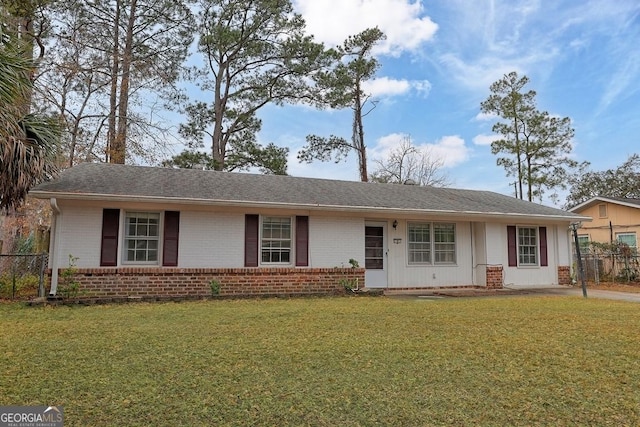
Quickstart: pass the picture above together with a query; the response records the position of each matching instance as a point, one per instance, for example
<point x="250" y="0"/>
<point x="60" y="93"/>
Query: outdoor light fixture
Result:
<point x="395" y="224"/>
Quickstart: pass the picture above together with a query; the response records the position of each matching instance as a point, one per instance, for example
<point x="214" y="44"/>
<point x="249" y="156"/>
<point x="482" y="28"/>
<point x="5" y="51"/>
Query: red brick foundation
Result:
<point x="564" y="275"/>
<point x="195" y="282"/>
<point x="494" y="277"/>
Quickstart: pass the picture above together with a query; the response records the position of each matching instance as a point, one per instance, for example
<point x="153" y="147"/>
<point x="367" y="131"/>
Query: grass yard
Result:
<point x="530" y="361"/>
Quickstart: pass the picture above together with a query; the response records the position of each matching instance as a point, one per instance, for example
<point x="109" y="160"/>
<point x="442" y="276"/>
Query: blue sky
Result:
<point x="440" y="57"/>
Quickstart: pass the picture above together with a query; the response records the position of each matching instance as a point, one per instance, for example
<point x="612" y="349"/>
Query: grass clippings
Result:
<point x="530" y="361"/>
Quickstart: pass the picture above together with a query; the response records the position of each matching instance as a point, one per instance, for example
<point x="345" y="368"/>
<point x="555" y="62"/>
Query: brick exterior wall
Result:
<point x="494" y="277"/>
<point x="564" y="275"/>
<point x="240" y="282"/>
<point x="194" y="282"/>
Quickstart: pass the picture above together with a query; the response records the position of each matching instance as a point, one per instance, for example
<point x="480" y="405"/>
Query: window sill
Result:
<point x="453" y="264"/>
<point x="139" y="264"/>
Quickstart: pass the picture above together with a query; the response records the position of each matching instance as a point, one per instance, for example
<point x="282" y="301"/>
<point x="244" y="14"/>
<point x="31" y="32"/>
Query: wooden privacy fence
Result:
<point x="602" y="267"/>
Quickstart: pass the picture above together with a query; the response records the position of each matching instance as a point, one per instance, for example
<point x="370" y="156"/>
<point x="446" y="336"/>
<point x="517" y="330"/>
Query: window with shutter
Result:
<point x="302" y="241"/>
<point x="251" y="224"/>
<point x="109" y="243"/>
<point x="141" y="237"/>
<point x="170" y="241"/>
<point x="527" y="246"/>
<point x="542" y="231"/>
<point x="276" y="240"/>
<point x="512" y="246"/>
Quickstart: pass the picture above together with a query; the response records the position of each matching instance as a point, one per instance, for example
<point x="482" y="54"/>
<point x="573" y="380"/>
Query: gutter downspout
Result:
<point x="473" y="253"/>
<point x="53" y="246"/>
<point x="556" y="250"/>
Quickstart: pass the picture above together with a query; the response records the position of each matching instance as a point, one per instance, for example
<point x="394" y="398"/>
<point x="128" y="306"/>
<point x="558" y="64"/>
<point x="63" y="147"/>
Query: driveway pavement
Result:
<point x="591" y="293"/>
<point x="514" y="290"/>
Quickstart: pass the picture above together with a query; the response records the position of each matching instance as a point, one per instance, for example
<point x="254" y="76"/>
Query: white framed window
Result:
<point x="419" y="242"/>
<point x="627" y="238"/>
<point x="444" y="243"/>
<point x="276" y="240"/>
<point x="527" y="246"/>
<point x="425" y="239"/>
<point x="141" y="237"/>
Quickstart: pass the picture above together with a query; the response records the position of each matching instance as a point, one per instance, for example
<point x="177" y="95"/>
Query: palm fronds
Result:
<point x="27" y="141"/>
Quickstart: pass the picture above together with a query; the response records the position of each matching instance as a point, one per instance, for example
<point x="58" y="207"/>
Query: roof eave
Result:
<point x="318" y="207"/>
<point x="599" y="199"/>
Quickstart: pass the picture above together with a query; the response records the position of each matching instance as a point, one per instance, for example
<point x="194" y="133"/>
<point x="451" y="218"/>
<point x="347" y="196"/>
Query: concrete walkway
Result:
<point x="512" y="290"/>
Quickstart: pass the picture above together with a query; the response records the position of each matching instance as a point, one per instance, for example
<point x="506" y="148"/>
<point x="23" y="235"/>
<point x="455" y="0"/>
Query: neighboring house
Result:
<point x="143" y="231"/>
<point x="614" y="219"/>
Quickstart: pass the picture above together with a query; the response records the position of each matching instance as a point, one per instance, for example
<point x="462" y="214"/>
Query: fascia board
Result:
<point x="475" y="215"/>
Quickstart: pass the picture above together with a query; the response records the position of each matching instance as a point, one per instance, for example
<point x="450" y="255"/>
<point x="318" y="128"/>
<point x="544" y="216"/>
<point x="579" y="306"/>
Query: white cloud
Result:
<point x="579" y="44"/>
<point x="451" y="150"/>
<point x="387" y="143"/>
<point x="485" y="117"/>
<point x="484" y="139"/>
<point x="621" y="84"/>
<point x="479" y="73"/>
<point x="488" y="42"/>
<point x="534" y="38"/>
<point x="385" y="86"/>
<point x="422" y="87"/>
<point x="402" y="21"/>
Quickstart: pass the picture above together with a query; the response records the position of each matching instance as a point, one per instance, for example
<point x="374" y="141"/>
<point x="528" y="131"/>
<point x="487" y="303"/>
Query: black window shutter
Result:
<point x="512" y="245"/>
<point x="302" y="241"/>
<point x="170" y="240"/>
<point x="251" y="224"/>
<point x="109" y="244"/>
<point x="544" y="261"/>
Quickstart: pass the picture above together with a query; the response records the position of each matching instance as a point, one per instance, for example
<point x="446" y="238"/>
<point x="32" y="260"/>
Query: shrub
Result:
<point x="68" y="286"/>
<point x="215" y="287"/>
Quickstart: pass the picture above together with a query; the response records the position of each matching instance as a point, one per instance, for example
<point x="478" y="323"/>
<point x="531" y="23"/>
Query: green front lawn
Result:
<point x="328" y="362"/>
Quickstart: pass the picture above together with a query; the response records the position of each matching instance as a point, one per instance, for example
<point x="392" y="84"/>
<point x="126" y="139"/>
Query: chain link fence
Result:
<point x="22" y="276"/>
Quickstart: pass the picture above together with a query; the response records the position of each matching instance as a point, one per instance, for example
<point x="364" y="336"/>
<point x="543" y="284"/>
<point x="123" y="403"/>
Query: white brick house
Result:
<point x="147" y="231"/>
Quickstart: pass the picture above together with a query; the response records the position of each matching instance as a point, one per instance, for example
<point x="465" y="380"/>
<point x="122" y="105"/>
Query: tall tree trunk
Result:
<point x="518" y="150"/>
<point x="358" y="135"/>
<point x="24" y="33"/>
<point x="362" y="151"/>
<point x="63" y="118"/>
<point x="529" y="179"/>
<point x="113" y="95"/>
<point x="76" y="126"/>
<point x="218" y="146"/>
<point x="119" y="147"/>
<point x="18" y="22"/>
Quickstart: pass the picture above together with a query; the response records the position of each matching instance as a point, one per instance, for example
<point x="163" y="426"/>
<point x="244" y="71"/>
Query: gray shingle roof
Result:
<point x="109" y="181"/>
<point x="632" y="203"/>
<point x="626" y="200"/>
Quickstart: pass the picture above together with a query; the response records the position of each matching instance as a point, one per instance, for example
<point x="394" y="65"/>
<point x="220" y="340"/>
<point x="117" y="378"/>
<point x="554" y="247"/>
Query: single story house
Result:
<point x="614" y="219"/>
<point x="147" y="231"/>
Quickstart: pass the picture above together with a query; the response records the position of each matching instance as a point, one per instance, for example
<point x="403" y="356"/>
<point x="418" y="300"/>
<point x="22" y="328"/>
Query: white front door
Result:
<point x="375" y="255"/>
